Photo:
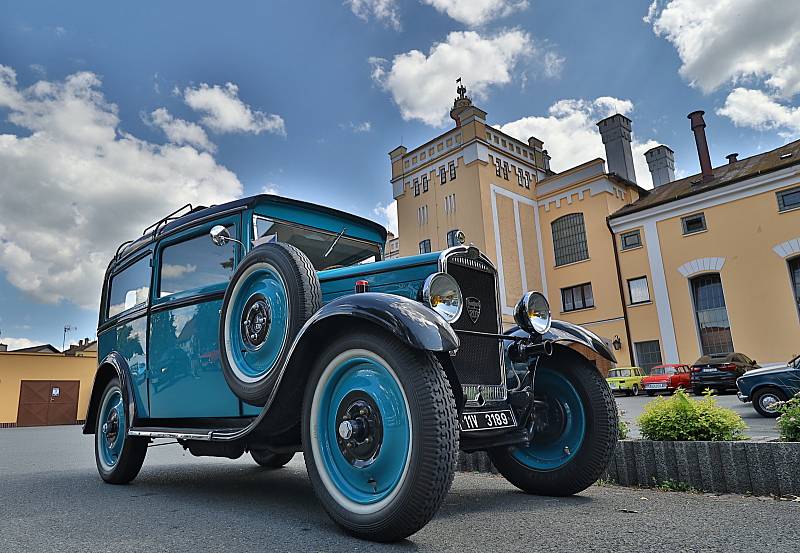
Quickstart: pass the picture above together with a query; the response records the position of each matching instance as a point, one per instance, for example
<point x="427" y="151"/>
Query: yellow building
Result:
<point x="39" y="389"/>
<point x="562" y="234"/>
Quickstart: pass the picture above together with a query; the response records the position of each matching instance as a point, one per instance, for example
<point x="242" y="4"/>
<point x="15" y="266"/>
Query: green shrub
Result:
<point x="789" y="421"/>
<point x="680" y="418"/>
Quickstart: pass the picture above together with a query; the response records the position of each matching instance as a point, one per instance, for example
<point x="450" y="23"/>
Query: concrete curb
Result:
<point x="759" y="468"/>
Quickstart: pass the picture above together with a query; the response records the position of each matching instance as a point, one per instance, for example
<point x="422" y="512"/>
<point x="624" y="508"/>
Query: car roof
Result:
<point x="175" y="221"/>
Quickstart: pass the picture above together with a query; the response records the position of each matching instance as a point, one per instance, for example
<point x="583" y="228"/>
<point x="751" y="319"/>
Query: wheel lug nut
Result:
<point x="362" y="412"/>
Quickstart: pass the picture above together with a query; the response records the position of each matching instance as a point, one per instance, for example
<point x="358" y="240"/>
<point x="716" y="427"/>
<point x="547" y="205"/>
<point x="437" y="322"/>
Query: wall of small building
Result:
<point x="16" y="367"/>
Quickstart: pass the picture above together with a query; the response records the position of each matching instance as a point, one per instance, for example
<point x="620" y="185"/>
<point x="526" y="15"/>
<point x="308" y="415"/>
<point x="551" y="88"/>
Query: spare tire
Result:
<point x="273" y="292"/>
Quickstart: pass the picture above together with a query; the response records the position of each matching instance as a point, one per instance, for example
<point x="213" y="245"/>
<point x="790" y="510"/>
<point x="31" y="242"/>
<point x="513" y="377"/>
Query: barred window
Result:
<point x="442" y="174"/>
<point x="424" y="183"/>
<point x="648" y="354"/>
<point x="497" y="166"/>
<point x="569" y="239"/>
<point x="416" y="187"/>
<point x="425" y="246"/>
<point x="452" y="170"/>
<point x="505" y="170"/>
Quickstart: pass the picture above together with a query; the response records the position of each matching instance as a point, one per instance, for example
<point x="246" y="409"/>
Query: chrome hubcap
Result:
<point x="256" y="320"/>
<point x="768" y="402"/>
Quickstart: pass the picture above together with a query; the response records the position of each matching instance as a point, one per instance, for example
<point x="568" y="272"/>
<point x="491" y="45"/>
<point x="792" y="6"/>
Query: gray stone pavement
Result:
<point x="758" y="427"/>
<point x="51" y="499"/>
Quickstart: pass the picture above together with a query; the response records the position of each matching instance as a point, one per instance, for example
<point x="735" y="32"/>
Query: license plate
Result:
<point x="487" y="420"/>
<point x="709" y="370"/>
<point x="654" y="386"/>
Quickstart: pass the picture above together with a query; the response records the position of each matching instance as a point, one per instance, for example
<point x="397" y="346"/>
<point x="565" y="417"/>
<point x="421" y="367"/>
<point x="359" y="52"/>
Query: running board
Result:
<point x="198" y="434"/>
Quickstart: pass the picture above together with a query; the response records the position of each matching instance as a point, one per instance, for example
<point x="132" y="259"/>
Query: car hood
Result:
<point x="772" y="368"/>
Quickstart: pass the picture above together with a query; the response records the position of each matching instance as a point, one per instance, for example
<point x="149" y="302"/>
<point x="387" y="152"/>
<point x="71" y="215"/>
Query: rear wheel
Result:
<point x="575" y="430"/>
<point x="380" y="437"/>
<point x="635" y="390"/>
<point x="119" y="457"/>
<point x="764" y="401"/>
<point x="698" y="390"/>
<point x="270" y="460"/>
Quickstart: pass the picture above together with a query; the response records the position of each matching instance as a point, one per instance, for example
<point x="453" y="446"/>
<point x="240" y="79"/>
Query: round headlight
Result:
<point x="442" y="294"/>
<point x="533" y="313"/>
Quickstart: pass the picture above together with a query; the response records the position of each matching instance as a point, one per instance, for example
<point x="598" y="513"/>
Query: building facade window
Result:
<point x="713" y="325"/>
<point x="442" y="174"/>
<point x="416" y="187"/>
<point x="693" y="223"/>
<point x="527" y="180"/>
<point x="648" y="354"/>
<point x="638" y="292"/>
<point x="794" y="271"/>
<point x="569" y="239"/>
<point x="452" y="238"/>
<point x="452" y="170"/>
<point x="788" y="199"/>
<point x="630" y="240"/>
<point x="577" y="297"/>
<point x="425" y="246"/>
<point x="450" y="204"/>
<point x="422" y="215"/>
<point x="497" y="167"/>
<point x="505" y="170"/>
<point x="424" y="183"/>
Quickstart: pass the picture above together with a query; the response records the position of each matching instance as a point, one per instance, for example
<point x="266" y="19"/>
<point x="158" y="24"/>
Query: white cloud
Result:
<point x="179" y="131"/>
<point x="75" y="185"/>
<point x="423" y="86"/>
<point x="364" y="126"/>
<point x="477" y="12"/>
<point x="270" y="188"/>
<point x="571" y="135"/>
<point x="720" y="41"/>
<point x="382" y="10"/>
<point x="225" y="112"/>
<point x="757" y="110"/>
<point x="18" y="343"/>
<point x="176" y="271"/>
<point x="387" y="215"/>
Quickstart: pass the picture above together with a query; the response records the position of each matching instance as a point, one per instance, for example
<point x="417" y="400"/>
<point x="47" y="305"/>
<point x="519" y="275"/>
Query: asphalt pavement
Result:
<point x="758" y="427"/>
<point x="51" y="499"/>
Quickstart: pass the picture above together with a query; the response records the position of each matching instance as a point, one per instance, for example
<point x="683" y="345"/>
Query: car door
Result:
<point x="124" y="321"/>
<point x="190" y="277"/>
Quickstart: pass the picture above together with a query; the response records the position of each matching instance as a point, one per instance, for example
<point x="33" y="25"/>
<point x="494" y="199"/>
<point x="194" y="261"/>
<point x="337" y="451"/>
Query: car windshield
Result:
<point x="619" y="373"/>
<point x="317" y="244"/>
<point x="795" y="361"/>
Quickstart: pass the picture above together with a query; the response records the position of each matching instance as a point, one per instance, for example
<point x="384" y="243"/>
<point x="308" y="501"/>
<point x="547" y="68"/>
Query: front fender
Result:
<point x="562" y="331"/>
<point x="409" y="321"/>
<point x="112" y="365"/>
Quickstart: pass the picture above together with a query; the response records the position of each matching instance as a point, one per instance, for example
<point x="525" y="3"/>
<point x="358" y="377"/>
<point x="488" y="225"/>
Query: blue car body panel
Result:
<point x="785" y="377"/>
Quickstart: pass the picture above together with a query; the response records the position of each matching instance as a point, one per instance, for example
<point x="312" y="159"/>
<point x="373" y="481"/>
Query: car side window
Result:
<point x="129" y="288"/>
<point x="195" y="263"/>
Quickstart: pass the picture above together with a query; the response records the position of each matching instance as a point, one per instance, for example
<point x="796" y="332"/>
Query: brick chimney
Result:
<point x="3" y="347"/>
<point x="699" y="130"/>
<point x="661" y="162"/>
<point x="616" y="134"/>
<point x="732" y="158"/>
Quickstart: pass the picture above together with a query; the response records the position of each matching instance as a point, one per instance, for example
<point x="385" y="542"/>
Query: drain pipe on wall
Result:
<point x="621" y="292"/>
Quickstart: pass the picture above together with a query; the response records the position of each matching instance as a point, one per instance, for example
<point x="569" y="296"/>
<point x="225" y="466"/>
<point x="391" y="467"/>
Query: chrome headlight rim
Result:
<point x="522" y="313"/>
<point x="426" y="295"/>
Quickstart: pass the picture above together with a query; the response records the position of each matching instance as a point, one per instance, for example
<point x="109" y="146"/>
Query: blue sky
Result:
<point x="133" y="113"/>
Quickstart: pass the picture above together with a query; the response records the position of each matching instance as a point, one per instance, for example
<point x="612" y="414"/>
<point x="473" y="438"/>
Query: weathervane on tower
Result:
<point x="461" y="102"/>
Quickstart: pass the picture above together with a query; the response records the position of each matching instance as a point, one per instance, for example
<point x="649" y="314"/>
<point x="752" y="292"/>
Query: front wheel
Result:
<point x="764" y="401"/>
<point x="380" y="435"/>
<point x="575" y="430"/>
<point x="119" y="457"/>
<point x="635" y="390"/>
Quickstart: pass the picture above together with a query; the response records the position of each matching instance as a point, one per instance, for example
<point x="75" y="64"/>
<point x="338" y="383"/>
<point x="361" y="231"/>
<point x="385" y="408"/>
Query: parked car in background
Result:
<point x="719" y="371"/>
<point x="626" y="379"/>
<point x="667" y="378"/>
<point x="767" y="386"/>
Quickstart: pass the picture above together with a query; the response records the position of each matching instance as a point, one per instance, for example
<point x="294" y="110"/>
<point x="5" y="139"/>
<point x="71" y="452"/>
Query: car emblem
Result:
<point x="473" y="308"/>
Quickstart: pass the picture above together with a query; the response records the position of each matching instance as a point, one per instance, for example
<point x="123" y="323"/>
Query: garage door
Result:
<point x="48" y="402"/>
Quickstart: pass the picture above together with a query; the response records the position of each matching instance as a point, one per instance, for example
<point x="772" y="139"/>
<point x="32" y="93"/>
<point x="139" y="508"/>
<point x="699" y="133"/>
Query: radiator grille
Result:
<point x="478" y="359"/>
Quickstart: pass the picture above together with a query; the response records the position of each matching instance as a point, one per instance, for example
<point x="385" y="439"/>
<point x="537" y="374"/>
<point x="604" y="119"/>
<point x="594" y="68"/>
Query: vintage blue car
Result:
<point x="273" y="326"/>
<point x="767" y="386"/>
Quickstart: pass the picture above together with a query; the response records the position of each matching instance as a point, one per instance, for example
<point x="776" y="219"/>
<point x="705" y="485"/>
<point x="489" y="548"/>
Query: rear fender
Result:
<point x="112" y="365"/>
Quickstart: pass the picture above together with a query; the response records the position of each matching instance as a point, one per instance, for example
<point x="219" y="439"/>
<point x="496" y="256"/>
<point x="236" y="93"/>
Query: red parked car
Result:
<point x="667" y="378"/>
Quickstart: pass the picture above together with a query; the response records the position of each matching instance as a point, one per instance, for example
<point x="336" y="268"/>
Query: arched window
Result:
<point x="569" y="239"/>
<point x="712" y="315"/>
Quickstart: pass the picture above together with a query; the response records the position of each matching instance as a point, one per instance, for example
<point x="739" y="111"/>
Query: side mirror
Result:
<point x="220" y="235"/>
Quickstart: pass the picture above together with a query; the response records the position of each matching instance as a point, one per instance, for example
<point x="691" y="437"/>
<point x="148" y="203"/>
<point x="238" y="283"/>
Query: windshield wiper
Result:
<point x="335" y="241"/>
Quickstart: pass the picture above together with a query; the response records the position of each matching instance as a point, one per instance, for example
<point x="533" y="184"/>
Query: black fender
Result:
<point x="410" y="321"/>
<point x="564" y="332"/>
<point x="112" y="365"/>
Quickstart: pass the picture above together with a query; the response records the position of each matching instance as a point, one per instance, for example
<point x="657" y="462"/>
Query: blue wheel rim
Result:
<point x="559" y="447"/>
<point x="113" y="428"/>
<point x="254" y="363"/>
<point x="369" y="485"/>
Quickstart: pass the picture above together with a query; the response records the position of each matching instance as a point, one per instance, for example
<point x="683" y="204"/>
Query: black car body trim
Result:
<point x="562" y="331"/>
<point x="120" y="366"/>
